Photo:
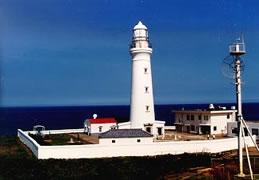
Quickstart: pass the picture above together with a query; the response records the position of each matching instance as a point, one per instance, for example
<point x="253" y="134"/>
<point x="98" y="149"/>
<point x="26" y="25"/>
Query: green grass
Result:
<point x="56" y="139"/>
<point x="16" y="163"/>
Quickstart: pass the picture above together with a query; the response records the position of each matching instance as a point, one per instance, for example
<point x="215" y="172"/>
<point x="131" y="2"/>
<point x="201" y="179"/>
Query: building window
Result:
<point x="145" y="70"/>
<point x="179" y="120"/>
<point x="100" y="128"/>
<point x="206" y="117"/>
<point x="192" y="117"/>
<point x="113" y="141"/>
<point x="188" y="117"/>
<point x="199" y="117"/>
<point x="228" y="116"/>
<point x="146" y="89"/>
<point x="215" y="128"/>
<point x="147" y="108"/>
<point x="138" y="140"/>
<point x="192" y="128"/>
<point x="255" y="131"/>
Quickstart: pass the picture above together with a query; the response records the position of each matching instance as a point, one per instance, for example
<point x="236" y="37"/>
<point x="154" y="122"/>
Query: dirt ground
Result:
<point x="192" y="173"/>
<point x="84" y="137"/>
<point x="181" y="136"/>
<point x="169" y="136"/>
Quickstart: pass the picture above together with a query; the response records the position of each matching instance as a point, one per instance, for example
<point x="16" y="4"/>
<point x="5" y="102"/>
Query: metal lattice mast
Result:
<point x="237" y="50"/>
<point x="233" y="67"/>
<point x="239" y="115"/>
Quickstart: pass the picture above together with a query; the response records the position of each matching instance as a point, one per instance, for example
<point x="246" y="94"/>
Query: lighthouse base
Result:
<point x="157" y="128"/>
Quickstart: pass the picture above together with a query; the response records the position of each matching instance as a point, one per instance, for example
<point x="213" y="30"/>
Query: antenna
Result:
<point x="242" y="38"/>
<point x="233" y="67"/>
<point x="228" y="66"/>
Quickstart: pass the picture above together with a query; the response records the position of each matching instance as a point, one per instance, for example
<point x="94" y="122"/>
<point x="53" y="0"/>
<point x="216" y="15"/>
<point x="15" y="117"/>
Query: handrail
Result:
<point x="140" y="45"/>
<point x="237" y="48"/>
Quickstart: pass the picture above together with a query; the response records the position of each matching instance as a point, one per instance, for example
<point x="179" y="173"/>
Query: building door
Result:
<point x="148" y="129"/>
<point x="159" y="131"/>
<point x="188" y="128"/>
<point x="205" y="129"/>
<point x="179" y="128"/>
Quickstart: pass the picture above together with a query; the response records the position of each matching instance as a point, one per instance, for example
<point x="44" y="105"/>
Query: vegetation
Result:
<point x="56" y="139"/>
<point x="18" y="163"/>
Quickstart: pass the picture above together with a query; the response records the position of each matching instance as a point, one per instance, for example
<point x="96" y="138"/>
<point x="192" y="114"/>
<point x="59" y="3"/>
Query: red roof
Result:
<point x="102" y="120"/>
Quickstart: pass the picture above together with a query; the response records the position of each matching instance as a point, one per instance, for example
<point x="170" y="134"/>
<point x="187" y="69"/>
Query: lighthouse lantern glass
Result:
<point x="140" y="34"/>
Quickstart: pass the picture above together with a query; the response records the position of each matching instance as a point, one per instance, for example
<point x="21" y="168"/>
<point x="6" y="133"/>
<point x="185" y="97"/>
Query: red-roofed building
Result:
<point x="100" y="125"/>
<point x="102" y="120"/>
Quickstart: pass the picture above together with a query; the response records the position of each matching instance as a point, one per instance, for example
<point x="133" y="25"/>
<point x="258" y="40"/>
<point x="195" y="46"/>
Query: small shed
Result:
<point x="125" y="136"/>
<point x="100" y="125"/>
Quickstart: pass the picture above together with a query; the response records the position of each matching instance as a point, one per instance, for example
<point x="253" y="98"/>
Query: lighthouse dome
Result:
<point x="140" y="37"/>
<point x="140" y="32"/>
<point x="140" y="26"/>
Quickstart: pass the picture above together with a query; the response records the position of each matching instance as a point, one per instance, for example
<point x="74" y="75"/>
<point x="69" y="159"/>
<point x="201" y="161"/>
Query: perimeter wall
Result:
<point x="116" y="150"/>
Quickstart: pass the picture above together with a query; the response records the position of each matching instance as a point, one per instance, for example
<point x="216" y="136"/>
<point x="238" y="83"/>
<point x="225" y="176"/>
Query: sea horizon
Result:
<point x="67" y="117"/>
<point x="156" y="104"/>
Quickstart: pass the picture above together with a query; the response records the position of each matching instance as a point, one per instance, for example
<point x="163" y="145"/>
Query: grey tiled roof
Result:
<point x="124" y="133"/>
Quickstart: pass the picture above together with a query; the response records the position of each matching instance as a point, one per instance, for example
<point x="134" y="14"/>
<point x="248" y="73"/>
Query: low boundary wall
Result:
<point x="28" y="141"/>
<point x="61" y="131"/>
<point x="114" y="150"/>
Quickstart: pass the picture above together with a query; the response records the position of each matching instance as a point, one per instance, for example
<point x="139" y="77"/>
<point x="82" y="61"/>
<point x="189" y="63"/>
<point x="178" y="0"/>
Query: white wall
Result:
<point x="125" y="141"/>
<point x="105" y="127"/>
<point x="124" y="125"/>
<point x="158" y="148"/>
<point x="81" y="130"/>
<point x="148" y="149"/>
<point x="169" y="127"/>
<point x="30" y="142"/>
<point x="220" y="121"/>
<point x="159" y="124"/>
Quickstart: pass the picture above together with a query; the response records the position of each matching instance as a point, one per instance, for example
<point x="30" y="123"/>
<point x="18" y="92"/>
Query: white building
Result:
<point x="125" y="137"/>
<point x="100" y="125"/>
<point x="253" y="127"/>
<point x="208" y="121"/>
<point x="142" y="115"/>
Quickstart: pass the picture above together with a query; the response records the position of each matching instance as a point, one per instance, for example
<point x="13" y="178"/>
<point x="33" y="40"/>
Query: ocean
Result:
<point x="13" y="118"/>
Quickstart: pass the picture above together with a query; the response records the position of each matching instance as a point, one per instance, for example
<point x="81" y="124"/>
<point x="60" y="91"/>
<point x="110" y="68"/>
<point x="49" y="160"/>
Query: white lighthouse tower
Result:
<point x="142" y="105"/>
<point x="142" y="113"/>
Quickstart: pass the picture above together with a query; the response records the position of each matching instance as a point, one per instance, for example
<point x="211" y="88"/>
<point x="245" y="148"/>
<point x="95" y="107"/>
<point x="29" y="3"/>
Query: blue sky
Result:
<point x="75" y="52"/>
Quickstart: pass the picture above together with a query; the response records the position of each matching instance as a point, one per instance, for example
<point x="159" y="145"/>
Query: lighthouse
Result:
<point x="142" y="104"/>
<point x="142" y="114"/>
